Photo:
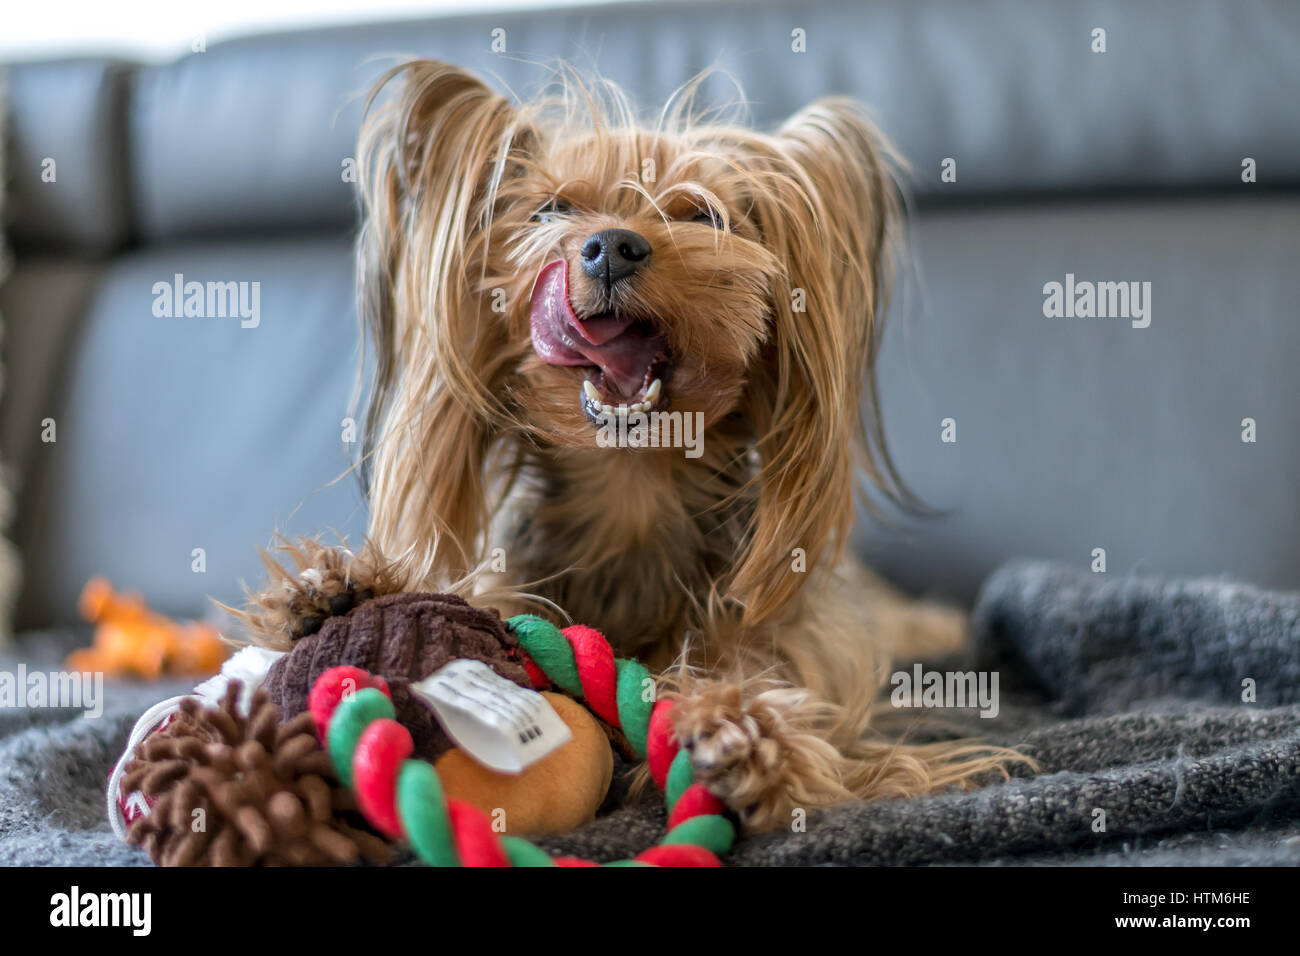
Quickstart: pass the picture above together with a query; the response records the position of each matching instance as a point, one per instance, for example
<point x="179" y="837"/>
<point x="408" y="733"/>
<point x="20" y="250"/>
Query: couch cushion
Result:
<point x="74" y="113"/>
<point x="184" y="433"/>
<point x="252" y="134"/>
<point x="42" y="304"/>
<point x="1082" y="433"/>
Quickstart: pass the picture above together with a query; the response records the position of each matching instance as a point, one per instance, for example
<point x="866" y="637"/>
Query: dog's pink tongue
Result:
<point x="552" y="319"/>
<point x="600" y="330"/>
<point x="560" y="338"/>
<point x="626" y="359"/>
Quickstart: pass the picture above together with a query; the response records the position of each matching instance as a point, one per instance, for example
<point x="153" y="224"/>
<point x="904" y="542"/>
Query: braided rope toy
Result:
<point x="404" y="798"/>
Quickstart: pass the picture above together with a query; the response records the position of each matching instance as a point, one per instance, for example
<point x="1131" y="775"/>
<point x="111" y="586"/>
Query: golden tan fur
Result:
<point x="307" y="582"/>
<point x="478" y="453"/>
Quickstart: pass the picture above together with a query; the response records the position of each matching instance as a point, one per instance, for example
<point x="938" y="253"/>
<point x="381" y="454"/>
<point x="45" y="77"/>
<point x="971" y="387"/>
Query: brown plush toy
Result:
<point x="232" y="789"/>
<point x="405" y="637"/>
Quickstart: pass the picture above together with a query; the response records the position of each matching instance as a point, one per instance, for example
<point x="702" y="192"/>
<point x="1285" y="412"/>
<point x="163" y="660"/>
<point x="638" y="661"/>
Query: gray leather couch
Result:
<point x="1072" y="434"/>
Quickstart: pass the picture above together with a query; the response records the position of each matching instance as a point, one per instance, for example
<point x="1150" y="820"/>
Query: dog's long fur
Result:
<point x="474" y="444"/>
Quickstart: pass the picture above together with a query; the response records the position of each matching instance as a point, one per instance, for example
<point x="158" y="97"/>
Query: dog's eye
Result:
<point x="707" y="217"/>
<point x="552" y="211"/>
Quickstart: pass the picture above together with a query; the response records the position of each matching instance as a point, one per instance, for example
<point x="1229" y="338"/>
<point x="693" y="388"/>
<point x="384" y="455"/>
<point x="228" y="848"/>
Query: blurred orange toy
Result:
<point x="133" y="641"/>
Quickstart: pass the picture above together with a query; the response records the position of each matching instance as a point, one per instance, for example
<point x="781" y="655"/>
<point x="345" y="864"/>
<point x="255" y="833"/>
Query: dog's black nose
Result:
<point x="614" y="254"/>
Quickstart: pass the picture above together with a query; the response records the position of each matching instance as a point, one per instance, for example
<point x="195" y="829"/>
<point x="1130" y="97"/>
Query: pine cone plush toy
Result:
<point x="402" y="638"/>
<point x="230" y="790"/>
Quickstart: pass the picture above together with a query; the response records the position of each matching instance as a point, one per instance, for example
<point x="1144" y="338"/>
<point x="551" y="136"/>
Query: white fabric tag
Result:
<point x="501" y="725"/>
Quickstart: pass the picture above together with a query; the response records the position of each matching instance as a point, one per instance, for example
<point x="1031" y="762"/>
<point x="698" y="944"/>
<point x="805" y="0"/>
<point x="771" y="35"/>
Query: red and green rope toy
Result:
<point x="403" y="798"/>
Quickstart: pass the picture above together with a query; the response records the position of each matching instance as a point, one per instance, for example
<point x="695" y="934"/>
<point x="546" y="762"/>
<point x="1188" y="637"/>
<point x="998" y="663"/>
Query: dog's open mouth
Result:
<point x="627" y="359"/>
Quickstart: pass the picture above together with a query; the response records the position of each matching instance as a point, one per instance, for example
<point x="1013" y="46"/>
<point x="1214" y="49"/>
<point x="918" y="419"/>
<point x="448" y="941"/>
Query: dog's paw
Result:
<point x="759" y="750"/>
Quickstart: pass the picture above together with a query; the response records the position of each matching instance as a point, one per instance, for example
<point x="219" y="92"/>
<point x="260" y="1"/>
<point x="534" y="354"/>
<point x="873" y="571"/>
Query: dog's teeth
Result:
<point x="592" y="396"/>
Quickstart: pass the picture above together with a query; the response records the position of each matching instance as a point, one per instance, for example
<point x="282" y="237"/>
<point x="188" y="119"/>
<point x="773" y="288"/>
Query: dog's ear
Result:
<point x="431" y="160"/>
<point x="824" y="200"/>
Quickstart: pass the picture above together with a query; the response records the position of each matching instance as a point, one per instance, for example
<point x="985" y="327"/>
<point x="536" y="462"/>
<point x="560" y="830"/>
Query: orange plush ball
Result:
<point x="561" y="791"/>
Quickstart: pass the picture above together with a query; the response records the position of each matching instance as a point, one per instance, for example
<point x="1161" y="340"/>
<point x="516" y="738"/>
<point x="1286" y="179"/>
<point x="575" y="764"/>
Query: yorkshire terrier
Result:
<point x="536" y="277"/>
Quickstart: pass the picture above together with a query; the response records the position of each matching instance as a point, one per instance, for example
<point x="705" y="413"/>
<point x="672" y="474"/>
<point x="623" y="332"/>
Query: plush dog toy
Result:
<point x="133" y="641"/>
<point x="403" y="638"/>
<point x="436" y="721"/>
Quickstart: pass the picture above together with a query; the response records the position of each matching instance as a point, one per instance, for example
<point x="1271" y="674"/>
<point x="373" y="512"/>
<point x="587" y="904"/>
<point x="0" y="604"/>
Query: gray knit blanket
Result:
<point x="1164" y="717"/>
